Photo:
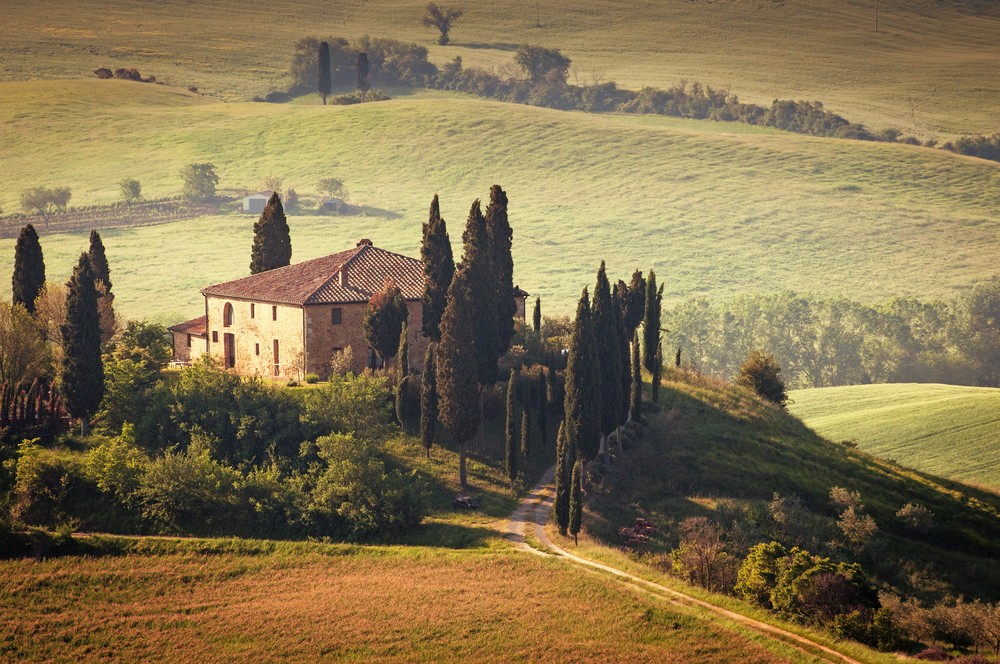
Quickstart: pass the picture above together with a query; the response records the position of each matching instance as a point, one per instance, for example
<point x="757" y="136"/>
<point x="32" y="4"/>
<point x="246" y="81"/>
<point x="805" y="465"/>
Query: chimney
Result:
<point x="365" y="243"/>
<point x="343" y="275"/>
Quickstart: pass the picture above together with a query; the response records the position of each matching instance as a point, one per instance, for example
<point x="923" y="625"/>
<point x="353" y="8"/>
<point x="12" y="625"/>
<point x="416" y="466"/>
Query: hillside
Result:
<point x="941" y="429"/>
<point x="929" y="70"/>
<point x="716" y="210"/>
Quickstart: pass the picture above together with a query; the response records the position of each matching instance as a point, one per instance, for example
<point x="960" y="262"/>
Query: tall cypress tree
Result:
<point x="635" y="303"/>
<point x="583" y="406"/>
<point x="562" y="478"/>
<point x="99" y="262"/>
<point x="608" y="357"/>
<point x="361" y="74"/>
<point x="457" y="377"/>
<point x="403" y="367"/>
<point x="651" y="322"/>
<point x="543" y="408"/>
<point x="476" y="259"/>
<point x="636" y="379"/>
<point x="29" y="269"/>
<point x="657" y="368"/>
<point x="576" y="502"/>
<point x="501" y="240"/>
<point x="323" y="83"/>
<point x="536" y="316"/>
<point x="82" y="367"/>
<point x="510" y="447"/>
<point x="439" y="268"/>
<point x="526" y="432"/>
<point x="428" y="400"/>
<point x="624" y="354"/>
<point x="403" y="379"/>
<point x="272" y="244"/>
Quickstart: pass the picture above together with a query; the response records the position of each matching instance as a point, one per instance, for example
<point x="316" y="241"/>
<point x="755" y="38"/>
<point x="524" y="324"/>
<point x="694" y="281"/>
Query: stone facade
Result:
<point x="254" y="331"/>
<point x="189" y="340"/>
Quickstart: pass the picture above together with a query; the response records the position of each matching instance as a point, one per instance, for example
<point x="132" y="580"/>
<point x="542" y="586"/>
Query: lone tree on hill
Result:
<point x="537" y="62"/>
<point x="361" y="74"/>
<point x="131" y="190"/>
<point x="762" y="374"/>
<point x="439" y="268"/>
<point x="536" y="315"/>
<point x="323" y="82"/>
<point x="385" y="317"/>
<point x="608" y="358"/>
<point x="651" y="322"/>
<point x="29" y="269"/>
<point x="457" y="376"/>
<point x="82" y="367"/>
<point x="272" y="244"/>
<point x="428" y="400"/>
<point x="99" y="263"/>
<point x="576" y="501"/>
<point x="45" y="200"/>
<point x="583" y="374"/>
<point x="510" y="439"/>
<point x="501" y="239"/>
<point x="199" y="182"/>
<point x="441" y="18"/>
<point x="565" y="458"/>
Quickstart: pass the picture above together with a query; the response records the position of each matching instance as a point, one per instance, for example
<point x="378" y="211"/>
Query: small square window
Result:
<point x="251" y="310"/>
<point x="215" y="336"/>
<point x="335" y="316"/>
<point x="256" y="349"/>
<point x="274" y="313"/>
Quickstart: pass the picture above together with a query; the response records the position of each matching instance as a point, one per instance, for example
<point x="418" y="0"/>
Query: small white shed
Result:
<point x="255" y="203"/>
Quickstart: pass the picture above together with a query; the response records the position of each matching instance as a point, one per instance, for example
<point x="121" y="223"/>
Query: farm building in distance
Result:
<point x="255" y="203"/>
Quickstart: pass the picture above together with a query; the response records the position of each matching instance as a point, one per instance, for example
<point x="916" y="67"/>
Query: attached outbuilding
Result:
<point x="190" y="340"/>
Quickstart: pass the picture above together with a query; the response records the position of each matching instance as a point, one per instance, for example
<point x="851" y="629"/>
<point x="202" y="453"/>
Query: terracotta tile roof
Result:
<point x="197" y="326"/>
<point x="318" y="281"/>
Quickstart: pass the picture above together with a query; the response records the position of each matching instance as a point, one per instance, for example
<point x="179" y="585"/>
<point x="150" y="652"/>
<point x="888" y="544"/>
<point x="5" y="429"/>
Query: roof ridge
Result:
<point x="336" y="275"/>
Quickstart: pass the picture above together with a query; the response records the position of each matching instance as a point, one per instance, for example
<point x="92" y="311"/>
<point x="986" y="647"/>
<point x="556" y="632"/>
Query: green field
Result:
<point x="715" y="213"/>
<point x="930" y="69"/>
<point x="946" y="430"/>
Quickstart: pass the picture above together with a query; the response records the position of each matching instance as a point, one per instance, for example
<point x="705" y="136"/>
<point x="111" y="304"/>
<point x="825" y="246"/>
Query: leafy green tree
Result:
<point x="200" y="181"/>
<point x="608" y="358"/>
<point x="323" y="82"/>
<point x="82" y="366"/>
<point x="44" y="200"/>
<point x="24" y="353"/>
<point x="29" y="269"/>
<point x="536" y="316"/>
<point x="439" y="268"/>
<point x="975" y="330"/>
<point x="332" y="187"/>
<point x="442" y="18"/>
<point x="501" y="239"/>
<point x="385" y="317"/>
<point x="510" y="440"/>
<point x="576" y="501"/>
<point x="272" y="243"/>
<point x="457" y="377"/>
<point x="361" y="74"/>
<point x="583" y="405"/>
<point x="537" y="62"/>
<point x="762" y="374"/>
<point x="99" y="262"/>
<point x="636" y="379"/>
<point x="428" y="400"/>
<point x="131" y="190"/>
<point x="651" y="322"/>
<point x="562" y="479"/>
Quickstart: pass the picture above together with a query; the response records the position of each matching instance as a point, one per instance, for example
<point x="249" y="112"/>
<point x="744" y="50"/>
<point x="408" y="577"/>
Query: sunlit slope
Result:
<point x="930" y="69"/>
<point x="714" y="213"/>
<point x="942" y="429"/>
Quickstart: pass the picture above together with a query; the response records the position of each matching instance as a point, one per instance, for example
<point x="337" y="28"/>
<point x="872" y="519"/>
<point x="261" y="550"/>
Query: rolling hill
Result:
<point x="715" y="209"/>
<point x="946" y="430"/>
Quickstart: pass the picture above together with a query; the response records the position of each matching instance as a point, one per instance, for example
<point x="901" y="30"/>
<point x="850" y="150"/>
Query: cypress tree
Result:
<point x="561" y="504"/>
<point x="536" y="316"/>
<point x="576" y="502"/>
<point x="636" y="379"/>
<point x="657" y="369"/>
<point x="501" y="238"/>
<point x="624" y="361"/>
<point x="29" y="269"/>
<point x="635" y="304"/>
<point x="403" y="367"/>
<point x="428" y="400"/>
<point x="677" y="357"/>
<point x="457" y="379"/>
<point x="272" y="244"/>
<point x="526" y="432"/>
<point x="385" y="317"/>
<point x="403" y="379"/>
<point x="551" y="396"/>
<point x="583" y="406"/>
<point x="511" y="438"/>
<point x="82" y="366"/>
<point x="482" y="286"/>
<point x="323" y="83"/>
<point x="99" y="262"/>
<point x="608" y="358"/>
<point x="439" y="268"/>
<point x="651" y="322"/>
<point x="361" y="74"/>
<point x="543" y="408"/>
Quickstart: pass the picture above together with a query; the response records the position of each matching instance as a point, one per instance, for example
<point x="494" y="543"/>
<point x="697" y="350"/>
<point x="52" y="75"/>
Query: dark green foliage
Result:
<point x="29" y="269"/>
<point x="130" y="190"/>
<point x="304" y="72"/>
<point x="583" y="405"/>
<point x="82" y="385"/>
<point x="636" y="379"/>
<point x="361" y="74"/>
<point x="984" y="147"/>
<point x="634" y="302"/>
<point x="200" y="181"/>
<point x="385" y="317"/>
<point x="428" y="401"/>
<point x="439" y="268"/>
<point x="501" y="238"/>
<point x="457" y="377"/>
<point x="407" y="400"/>
<point x="536" y="315"/>
<point x="651" y="322"/>
<point x="99" y="262"/>
<point x="624" y="353"/>
<point x="403" y="366"/>
<point x="526" y="432"/>
<point x="608" y="353"/>
<point x="576" y="501"/>
<point x="562" y="479"/>
<point x="537" y="62"/>
<point x="323" y="82"/>
<point x="149" y="342"/>
<point x="677" y="357"/>
<point x="481" y="284"/>
<point x="510" y="439"/>
<point x="543" y="408"/>
<point x="762" y="374"/>
<point x="272" y="243"/>
<point x="441" y="18"/>
<point x="657" y="369"/>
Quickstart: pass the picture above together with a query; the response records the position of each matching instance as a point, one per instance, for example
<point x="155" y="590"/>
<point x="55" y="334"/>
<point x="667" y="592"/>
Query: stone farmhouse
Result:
<point x="288" y="322"/>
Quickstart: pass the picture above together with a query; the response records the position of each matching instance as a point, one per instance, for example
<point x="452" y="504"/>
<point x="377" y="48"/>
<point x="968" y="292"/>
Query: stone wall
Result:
<point x="188" y="353"/>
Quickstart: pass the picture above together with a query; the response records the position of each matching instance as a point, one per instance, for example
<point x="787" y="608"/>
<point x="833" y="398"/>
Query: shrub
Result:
<point x="117" y="465"/>
<point x="916" y="517"/>
<point x="342" y="361"/>
<point x="311" y="378"/>
<point x="357" y="405"/>
<point x="933" y="654"/>
<point x="762" y="374"/>
<point x="103" y="72"/>
<point x="42" y="484"/>
<point x="292" y="383"/>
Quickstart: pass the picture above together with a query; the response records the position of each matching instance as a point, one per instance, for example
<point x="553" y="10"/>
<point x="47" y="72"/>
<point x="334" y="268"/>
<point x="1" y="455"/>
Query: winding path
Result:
<point x="530" y="517"/>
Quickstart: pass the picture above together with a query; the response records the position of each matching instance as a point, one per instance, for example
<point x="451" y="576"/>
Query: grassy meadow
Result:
<point x="946" y="430"/>
<point x="715" y="212"/>
<point x="929" y="70"/>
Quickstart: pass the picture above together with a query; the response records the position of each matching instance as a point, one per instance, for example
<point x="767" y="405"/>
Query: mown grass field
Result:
<point x="715" y="213"/>
<point x="946" y="430"/>
<point x="929" y="70"/>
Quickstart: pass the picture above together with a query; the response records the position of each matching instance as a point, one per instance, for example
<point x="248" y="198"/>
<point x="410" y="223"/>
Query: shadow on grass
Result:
<point x="493" y="46"/>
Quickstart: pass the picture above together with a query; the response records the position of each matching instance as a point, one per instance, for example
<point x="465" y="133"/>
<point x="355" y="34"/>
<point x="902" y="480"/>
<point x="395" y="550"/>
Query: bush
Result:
<point x="42" y="486"/>
<point x="762" y="374"/>
<point x="117" y="465"/>
<point x="916" y="517"/>
<point x="311" y="378"/>
<point x="358" y="405"/>
<point x="933" y="654"/>
<point x="103" y="72"/>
